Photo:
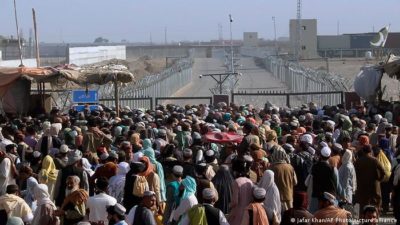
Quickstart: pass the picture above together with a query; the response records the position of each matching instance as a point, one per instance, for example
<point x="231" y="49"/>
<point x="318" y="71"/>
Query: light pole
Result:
<point x="230" y="28"/>
<point x="275" y="43"/>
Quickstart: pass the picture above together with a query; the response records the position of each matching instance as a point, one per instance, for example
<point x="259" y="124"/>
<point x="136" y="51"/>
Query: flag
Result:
<point x="230" y="18"/>
<point x="380" y="39"/>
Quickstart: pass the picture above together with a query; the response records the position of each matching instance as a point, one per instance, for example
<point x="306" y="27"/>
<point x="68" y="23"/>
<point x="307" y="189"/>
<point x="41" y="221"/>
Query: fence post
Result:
<point x="233" y="97"/>
<point x="342" y="97"/>
<point x="288" y="100"/>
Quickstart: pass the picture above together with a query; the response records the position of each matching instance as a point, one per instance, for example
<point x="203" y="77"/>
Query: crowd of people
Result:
<point x="306" y="165"/>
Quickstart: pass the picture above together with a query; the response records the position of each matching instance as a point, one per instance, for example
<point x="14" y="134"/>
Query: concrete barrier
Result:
<point x="87" y="55"/>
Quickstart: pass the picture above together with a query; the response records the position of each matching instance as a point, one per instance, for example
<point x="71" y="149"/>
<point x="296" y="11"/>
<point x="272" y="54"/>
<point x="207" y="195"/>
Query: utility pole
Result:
<point x="338" y="26"/>
<point x="230" y="28"/>
<point x="165" y="35"/>
<point x="18" y="36"/>
<point x="275" y="43"/>
<point x="298" y="31"/>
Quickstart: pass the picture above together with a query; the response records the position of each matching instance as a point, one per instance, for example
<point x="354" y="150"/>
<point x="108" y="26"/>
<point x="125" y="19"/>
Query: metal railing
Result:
<point x="158" y="99"/>
<point x="143" y="102"/>
<point x="291" y="99"/>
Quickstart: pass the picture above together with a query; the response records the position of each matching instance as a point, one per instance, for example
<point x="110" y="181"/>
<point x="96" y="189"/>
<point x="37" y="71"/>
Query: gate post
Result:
<point x="288" y="100"/>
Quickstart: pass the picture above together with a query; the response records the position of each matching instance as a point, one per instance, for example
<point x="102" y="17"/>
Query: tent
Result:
<point x="20" y="78"/>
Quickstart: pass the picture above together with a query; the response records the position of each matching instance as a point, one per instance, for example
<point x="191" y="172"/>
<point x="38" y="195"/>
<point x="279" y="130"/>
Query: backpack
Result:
<point x="140" y="186"/>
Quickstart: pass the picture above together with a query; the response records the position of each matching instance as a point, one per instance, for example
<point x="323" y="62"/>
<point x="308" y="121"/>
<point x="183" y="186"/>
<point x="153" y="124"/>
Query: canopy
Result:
<point x="222" y="137"/>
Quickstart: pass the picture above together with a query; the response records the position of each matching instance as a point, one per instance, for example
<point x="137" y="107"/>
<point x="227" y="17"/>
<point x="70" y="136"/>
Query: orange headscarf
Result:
<point x="149" y="166"/>
<point x="259" y="215"/>
<point x="363" y="140"/>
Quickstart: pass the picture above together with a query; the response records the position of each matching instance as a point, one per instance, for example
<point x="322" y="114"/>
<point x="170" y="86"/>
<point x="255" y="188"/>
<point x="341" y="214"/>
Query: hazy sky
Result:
<point x="135" y="20"/>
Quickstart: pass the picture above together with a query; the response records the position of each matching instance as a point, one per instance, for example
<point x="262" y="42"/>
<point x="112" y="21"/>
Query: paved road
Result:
<point x="252" y="78"/>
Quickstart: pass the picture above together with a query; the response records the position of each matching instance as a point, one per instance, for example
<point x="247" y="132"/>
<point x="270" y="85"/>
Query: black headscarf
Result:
<point x="222" y="182"/>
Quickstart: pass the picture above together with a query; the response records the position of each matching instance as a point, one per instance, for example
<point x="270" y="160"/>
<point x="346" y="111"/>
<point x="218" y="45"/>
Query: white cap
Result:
<point x="210" y="153"/>
<point x="326" y="152"/>
<point x="331" y="123"/>
<point x="177" y="169"/>
<point x="306" y="138"/>
<point x="208" y="193"/>
<point x="104" y="156"/>
<point x="64" y="149"/>
<point x="259" y="193"/>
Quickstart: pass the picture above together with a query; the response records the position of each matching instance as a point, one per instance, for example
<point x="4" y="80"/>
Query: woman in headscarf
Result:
<point x="49" y="139"/>
<point x="152" y="178"/>
<point x="241" y="191"/>
<point x="187" y="191"/>
<point x="135" y="141"/>
<point x="149" y="152"/>
<point x="44" y="214"/>
<point x="48" y="175"/>
<point x="117" y="183"/>
<point x="272" y="202"/>
<point x="347" y="176"/>
<point x="220" y="181"/>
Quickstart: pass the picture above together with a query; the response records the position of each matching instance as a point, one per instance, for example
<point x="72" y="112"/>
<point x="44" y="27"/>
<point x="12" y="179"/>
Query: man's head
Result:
<point x="116" y="212"/>
<point x="327" y="199"/>
<point x="101" y="184"/>
<point x="209" y="195"/>
<point x="177" y="171"/>
<point x="25" y="172"/>
<point x="72" y="184"/>
<point x="149" y="199"/>
<point x="259" y="194"/>
<point x="370" y="213"/>
<point x="12" y="189"/>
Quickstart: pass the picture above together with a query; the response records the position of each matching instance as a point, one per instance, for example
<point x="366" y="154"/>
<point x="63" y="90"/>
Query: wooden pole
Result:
<point x="19" y="38"/>
<point x="36" y="38"/>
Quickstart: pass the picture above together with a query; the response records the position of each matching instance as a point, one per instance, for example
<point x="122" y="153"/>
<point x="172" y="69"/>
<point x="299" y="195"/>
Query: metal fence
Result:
<point x="300" y="79"/>
<point x="137" y="94"/>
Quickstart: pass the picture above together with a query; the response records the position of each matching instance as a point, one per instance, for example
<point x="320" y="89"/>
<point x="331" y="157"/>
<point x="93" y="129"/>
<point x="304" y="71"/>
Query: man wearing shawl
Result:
<point x="187" y="191"/>
<point x="255" y="212"/>
<point x="48" y="175"/>
<point x="272" y="203"/>
<point x="49" y="139"/>
<point x="15" y="205"/>
<point x="45" y="211"/>
<point x="285" y="177"/>
<point x="329" y="213"/>
<point x="72" y="209"/>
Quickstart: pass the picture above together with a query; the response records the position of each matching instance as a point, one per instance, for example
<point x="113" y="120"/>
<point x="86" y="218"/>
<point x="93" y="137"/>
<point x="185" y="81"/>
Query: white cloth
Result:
<point x="272" y="202"/>
<point x="117" y="182"/>
<point x="42" y="197"/>
<point x="184" y="206"/>
<point x="222" y="219"/>
<point x="97" y="206"/>
<point x="28" y="194"/>
<point x="5" y="175"/>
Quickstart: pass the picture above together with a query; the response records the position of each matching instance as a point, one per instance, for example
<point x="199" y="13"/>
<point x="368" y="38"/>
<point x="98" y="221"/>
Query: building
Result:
<point x="250" y="39"/>
<point x="354" y="45"/>
<point x="308" y="38"/>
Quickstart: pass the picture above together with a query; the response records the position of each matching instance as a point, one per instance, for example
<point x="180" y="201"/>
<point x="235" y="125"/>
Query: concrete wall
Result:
<point x="308" y="37"/>
<point x="168" y="51"/>
<point x="250" y="39"/>
<point x="333" y="42"/>
<point x="87" y="55"/>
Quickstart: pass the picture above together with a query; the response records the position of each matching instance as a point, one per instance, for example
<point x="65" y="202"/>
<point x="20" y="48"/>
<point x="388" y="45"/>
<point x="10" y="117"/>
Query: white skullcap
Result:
<point x="331" y="123"/>
<point x="177" y="170"/>
<point x="104" y="156"/>
<point x="36" y="154"/>
<point x="324" y="144"/>
<point x="64" y="149"/>
<point x="210" y="153"/>
<point x="306" y="138"/>
<point x="208" y="193"/>
<point x="259" y="193"/>
<point x="326" y="152"/>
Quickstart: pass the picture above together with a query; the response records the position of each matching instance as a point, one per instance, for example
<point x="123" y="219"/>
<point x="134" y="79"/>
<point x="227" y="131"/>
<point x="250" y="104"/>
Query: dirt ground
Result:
<point x="350" y="67"/>
<point x="143" y="66"/>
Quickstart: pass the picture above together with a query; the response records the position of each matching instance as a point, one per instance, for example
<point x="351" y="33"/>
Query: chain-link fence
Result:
<point x="300" y="79"/>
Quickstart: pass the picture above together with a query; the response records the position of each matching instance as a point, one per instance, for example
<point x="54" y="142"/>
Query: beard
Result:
<point x="69" y="191"/>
